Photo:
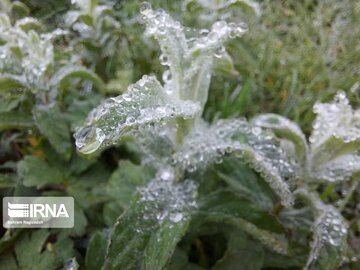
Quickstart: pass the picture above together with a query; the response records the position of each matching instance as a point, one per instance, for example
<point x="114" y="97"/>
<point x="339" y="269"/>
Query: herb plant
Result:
<point x="166" y="122"/>
<point x="179" y="192"/>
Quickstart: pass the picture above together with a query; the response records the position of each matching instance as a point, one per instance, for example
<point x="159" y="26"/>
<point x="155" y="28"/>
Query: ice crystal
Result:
<point x="207" y="144"/>
<point x="166" y="200"/>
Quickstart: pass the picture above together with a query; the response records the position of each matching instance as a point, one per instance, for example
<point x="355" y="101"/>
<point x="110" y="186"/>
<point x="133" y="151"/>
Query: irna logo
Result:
<point x="33" y="210"/>
<point x="38" y="212"/>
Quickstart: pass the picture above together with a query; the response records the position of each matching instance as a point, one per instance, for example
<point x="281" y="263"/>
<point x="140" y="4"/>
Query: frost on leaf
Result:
<point x="284" y="128"/>
<point x="189" y="59"/>
<point x="339" y="169"/>
<point x="336" y="130"/>
<point x="329" y="233"/>
<point x="25" y="54"/>
<point x="207" y="144"/>
<point x="143" y="105"/>
<point x="167" y="200"/>
<point x="153" y="225"/>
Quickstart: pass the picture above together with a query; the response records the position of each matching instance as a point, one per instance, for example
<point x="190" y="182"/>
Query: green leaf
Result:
<point x="6" y="181"/>
<point x="206" y="144"/>
<point x="145" y="103"/>
<point x="172" y="43"/>
<point x="59" y="137"/>
<point x="9" y="238"/>
<point x="96" y="251"/>
<point x="189" y="60"/>
<point x="74" y="71"/>
<point x="330" y="231"/>
<point x="28" y="23"/>
<point x="17" y="120"/>
<point x="7" y="261"/>
<point x="337" y="170"/>
<point x="242" y="253"/>
<point x="10" y="82"/>
<point x="242" y="180"/>
<point x="335" y="130"/>
<point x="80" y="222"/>
<point x="223" y="64"/>
<point x="224" y="206"/>
<point x="29" y="258"/>
<point x="284" y="128"/>
<point x="19" y="9"/>
<point x="8" y="103"/>
<point x="36" y="172"/>
<point x="146" y="235"/>
<point x="124" y="181"/>
<point x="33" y="252"/>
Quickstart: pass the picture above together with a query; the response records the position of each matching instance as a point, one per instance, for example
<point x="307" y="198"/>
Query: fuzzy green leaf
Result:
<point x="206" y="144"/>
<point x="74" y="71"/>
<point x="10" y="82"/>
<point x="284" y="128"/>
<point x="189" y="60"/>
<point x="329" y="234"/>
<point x="96" y="251"/>
<point x="39" y="256"/>
<point x="146" y="235"/>
<point x="124" y="181"/>
<point x="335" y="130"/>
<point x="36" y="172"/>
<point x="59" y="137"/>
<point x="224" y="206"/>
<point x="145" y="103"/>
<point x="9" y="120"/>
<point x="337" y="170"/>
<point x="242" y="253"/>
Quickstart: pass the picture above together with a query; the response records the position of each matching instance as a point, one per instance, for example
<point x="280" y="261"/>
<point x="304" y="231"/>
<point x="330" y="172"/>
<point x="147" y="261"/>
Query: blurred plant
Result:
<point x="95" y="29"/>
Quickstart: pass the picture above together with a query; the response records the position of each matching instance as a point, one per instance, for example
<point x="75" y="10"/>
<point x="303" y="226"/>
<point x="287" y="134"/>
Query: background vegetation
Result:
<point x="295" y="53"/>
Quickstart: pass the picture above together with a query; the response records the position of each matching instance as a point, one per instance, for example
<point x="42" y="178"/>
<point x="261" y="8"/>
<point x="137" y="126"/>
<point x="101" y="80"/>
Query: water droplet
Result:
<point x="166" y="76"/>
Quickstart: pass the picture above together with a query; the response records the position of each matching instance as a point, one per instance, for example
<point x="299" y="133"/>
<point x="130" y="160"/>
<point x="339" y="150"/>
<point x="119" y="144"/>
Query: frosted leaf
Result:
<point x="143" y="105"/>
<point x="189" y="59"/>
<point x="71" y="71"/>
<point x="329" y="233"/>
<point x="214" y="7"/>
<point x="167" y="200"/>
<point x="172" y="42"/>
<point x="200" y="56"/>
<point x="336" y="130"/>
<point x="340" y="169"/>
<point x="153" y="225"/>
<point x="150" y="138"/>
<point x="26" y="54"/>
<point x="28" y="23"/>
<point x="268" y="239"/>
<point x="207" y="144"/>
<point x="284" y="128"/>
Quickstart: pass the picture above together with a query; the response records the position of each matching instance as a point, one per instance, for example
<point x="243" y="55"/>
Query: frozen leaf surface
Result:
<point x="189" y="59"/>
<point x="144" y="104"/>
<point x="335" y="130"/>
<point x="145" y="236"/>
<point x="224" y="206"/>
<point x="329" y="233"/>
<point x="284" y="128"/>
<point x="207" y="144"/>
<point x="340" y="169"/>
